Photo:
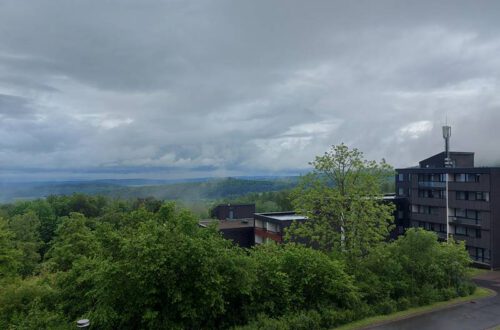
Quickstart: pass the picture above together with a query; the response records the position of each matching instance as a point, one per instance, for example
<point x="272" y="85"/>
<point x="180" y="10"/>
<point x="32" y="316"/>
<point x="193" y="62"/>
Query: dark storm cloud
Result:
<point x="225" y="87"/>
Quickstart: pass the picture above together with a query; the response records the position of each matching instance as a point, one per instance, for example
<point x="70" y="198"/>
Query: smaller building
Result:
<point x="271" y="226"/>
<point x="233" y="211"/>
<point x="241" y="232"/>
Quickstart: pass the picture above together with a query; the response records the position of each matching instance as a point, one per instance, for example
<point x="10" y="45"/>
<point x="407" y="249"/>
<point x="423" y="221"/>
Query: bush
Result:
<point x="293" y="277"/>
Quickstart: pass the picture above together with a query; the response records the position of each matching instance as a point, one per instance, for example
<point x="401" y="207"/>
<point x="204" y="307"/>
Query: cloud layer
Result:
<point x="214" y="88"/>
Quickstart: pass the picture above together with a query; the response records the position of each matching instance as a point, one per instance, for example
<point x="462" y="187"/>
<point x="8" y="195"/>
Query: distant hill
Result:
<point x="189" y="190"/>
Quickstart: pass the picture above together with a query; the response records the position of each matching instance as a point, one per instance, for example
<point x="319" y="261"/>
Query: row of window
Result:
<point x="483" y="196"/>
<point x="464" y="213"/>
<point x="424" y="209"/>
<point x="437" y="227"/>
<point x="266" y="225"/>
<point x="479" y="254"/>
<point x="261" y="240"/>
<point x="441" y="177"/>
<point x="455" y="230"/>
<point x="452" y="212"/>
<point x="473" y="196"/>
<point x="432" y="193"/>
<point x="466" y="231"/>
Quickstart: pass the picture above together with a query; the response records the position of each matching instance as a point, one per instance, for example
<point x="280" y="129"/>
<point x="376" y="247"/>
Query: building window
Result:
<point x="483" y="196"/>
<point x="424" y="209"/>
<point x="478" y="233"/>
<point x="473" y="177"/>
<point x="431" y="193"/>
<point x="462" y="195"/>
<point x="460" y="213"/>
<point x="401" y="177"/>
<point x="467" y="177"/>
<point x="459" y="230"/>
<point x="472" y="214"/>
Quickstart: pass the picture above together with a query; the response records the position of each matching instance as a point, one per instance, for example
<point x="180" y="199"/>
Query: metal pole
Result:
<point x="447" y="210"/>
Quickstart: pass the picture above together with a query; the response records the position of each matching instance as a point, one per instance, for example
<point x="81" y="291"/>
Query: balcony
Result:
<point x="432" y="184"/>
<point x="465" y="221"/>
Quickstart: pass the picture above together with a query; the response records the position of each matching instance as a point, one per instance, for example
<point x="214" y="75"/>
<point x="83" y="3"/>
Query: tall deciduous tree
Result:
<point x="9" y="256"/>
<point x="342" y="197"/>
<point x="27" y="240"/>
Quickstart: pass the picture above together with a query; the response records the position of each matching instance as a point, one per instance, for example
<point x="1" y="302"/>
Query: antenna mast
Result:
<point x="446" y="136"/>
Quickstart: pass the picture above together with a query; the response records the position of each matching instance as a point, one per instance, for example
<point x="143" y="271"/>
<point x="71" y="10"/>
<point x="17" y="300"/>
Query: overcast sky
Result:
<point x="170" y="89"/>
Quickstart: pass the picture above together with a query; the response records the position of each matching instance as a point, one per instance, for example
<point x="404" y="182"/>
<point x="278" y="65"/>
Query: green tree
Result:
<point x="9" y="256"/>
<point x="342" y="198"/>
<point x="27" y="240"/>
<point x="48" y="222"/>
<point x="168" y="274"/>
<point x="73" y="240"/>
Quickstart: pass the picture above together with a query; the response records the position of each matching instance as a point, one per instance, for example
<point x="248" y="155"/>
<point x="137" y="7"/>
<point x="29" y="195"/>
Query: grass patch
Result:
<point x="479" y="293"/>
<point x="473" y="272"/>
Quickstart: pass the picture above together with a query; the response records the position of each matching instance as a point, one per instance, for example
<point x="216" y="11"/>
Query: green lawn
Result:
<point x="479" y="293"/>
<point x="473" y="272"/>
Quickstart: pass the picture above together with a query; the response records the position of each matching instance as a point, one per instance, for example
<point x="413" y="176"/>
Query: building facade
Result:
<point x="447" y="194"/>
<point x="271" y="226"/>
<point x="233" y="211"/>
<point x="241" y="232"/>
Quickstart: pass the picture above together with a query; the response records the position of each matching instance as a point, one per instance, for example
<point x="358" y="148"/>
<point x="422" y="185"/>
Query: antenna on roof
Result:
<point x="447" y="136"/>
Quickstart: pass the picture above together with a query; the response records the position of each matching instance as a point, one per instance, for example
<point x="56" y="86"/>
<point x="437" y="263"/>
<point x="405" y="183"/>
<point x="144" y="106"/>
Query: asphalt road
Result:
<point x="481" y="314"/>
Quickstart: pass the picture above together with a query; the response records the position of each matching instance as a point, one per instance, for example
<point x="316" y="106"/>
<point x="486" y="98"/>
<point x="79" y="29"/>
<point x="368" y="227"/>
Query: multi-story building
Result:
<point x="233" y="211"/>
<point x="447" y="194"/>
<point x="241" y="231"/>
<point x="271" y="226"/>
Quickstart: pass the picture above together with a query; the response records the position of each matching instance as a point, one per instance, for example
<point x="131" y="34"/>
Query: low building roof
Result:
<point x="281" y="216"/>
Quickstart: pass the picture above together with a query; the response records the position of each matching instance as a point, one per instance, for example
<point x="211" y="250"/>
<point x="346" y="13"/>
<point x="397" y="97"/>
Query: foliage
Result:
<point x="342" y="198"/>
<point x="9" y="256"/>
<point x="73" y="240"/>
<point x="30" y="304"/>
<point x="26" y="229"/>
<point x="146" y="264"/>
<point x="301" y="278"/>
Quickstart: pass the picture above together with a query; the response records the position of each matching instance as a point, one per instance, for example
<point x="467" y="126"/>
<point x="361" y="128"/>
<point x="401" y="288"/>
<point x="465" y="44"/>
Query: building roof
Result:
<point x="282" y="216"/>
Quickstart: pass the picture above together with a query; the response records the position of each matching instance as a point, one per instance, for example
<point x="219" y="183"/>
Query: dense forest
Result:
<point x="188" y="191"/>
<point x="147" y="264"/>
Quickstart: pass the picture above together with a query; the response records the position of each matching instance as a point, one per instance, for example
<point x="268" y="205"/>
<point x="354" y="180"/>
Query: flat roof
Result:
<point x="282" y="216"/>
<point x="450" y="169"/>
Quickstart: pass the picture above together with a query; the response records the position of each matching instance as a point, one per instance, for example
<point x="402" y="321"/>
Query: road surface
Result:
<point x="481" y="314"/>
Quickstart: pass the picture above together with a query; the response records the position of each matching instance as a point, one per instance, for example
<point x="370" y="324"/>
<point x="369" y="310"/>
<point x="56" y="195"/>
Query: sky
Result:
<point x="184" y="89"/>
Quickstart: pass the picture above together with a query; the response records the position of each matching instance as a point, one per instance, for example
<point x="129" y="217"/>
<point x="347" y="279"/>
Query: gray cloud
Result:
<point x="254" y="87"/>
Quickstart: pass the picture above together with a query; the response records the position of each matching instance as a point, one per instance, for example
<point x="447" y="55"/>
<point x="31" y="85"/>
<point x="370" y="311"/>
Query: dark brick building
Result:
<point x="447" y="194"/>
<point x="271" y="226"/>
<point x="233" y="211"/>
<point x="241" y="232"/>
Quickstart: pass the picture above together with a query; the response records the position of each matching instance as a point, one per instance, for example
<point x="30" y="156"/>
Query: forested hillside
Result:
<point x="206" y="189"/>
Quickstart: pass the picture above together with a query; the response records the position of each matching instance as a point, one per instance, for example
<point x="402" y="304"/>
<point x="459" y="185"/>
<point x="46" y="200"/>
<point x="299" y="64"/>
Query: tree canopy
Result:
<point x="343" y="200"/>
